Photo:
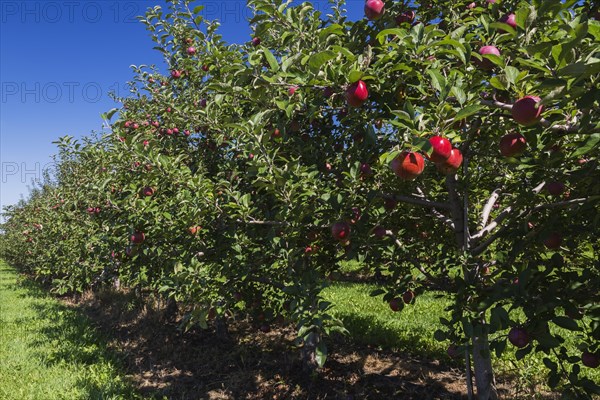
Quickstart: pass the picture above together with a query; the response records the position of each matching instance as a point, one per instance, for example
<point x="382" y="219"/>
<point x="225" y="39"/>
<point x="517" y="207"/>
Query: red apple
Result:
<point x="292" y="90"/>
<point x="148" y="191"/>
<point x="408" y="165"/>
<point x="525" y="112"/>
<point x="441" y="149"/>
<point x="365" y="170"/>
<point x="512" y="144"/>
<point x="255" y="41"/>
<point x="191" y="50"/>
<point x="340" y="230"/>
<point x="518" y="337"/>
<point x="379" y="231"/>
<point x="395" y="305"/>
<point x="357" y="93"/>
<point x="276" y="134"/>
<point x="390" y="204"/>
<point x="590" y="360"/>
<point x="138" y="237"/>
<point x="555" y="188"/>
<point x="176" y="73"/>
<point x="193" y="230"/>
<point x="407" y="16"/>
<point x="509" y="19"/>
<point x="408" y="296"/>
<point x="553" y="240"/>
<point x="205" y="68"/>
<point x="374" y="9"/>
<point x="452" y="164"/>
<point x="485" y="63"/>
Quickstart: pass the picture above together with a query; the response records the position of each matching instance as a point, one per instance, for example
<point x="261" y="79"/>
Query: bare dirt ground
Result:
<point x="165" y="362"/>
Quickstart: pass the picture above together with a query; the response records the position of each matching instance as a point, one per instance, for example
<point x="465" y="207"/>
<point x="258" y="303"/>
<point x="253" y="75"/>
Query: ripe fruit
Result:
<point x="509" y="19"/>
<point x="408" y="165"/>
<point x="340" y="230"/>
<point x="485" y="63"/>
<point x="395" y="305"/>
<point x="357" y="93"/>
<point x="555" y="188"/>
<point x="292" y="90"/>
<point x="374" y="9"/>
<point x="590" y="360"/>
<point x="390" y="204"/>
<point x="276" y="134"/>
<point x="255" y="41"/>
<point x="441" y="149"/>
<point x="452" y="164"/>
<point x="205" y="68"/>
<point x="379" y="231"/>
<point x="512" y="144"/>
<point x="193" y="230"/>
<point x="138" y="237"/>
<point x="365" y="170"/>
<point x="518" y="337"/>
<point x="407" y="16"/>
<point x="191" y="51"/>
<point x="553" y="240"/>
<point x="148" y="191"/>
<point x="525" y="112"/>
<point x="408" y="296"/>
<point x="176" y="73"/>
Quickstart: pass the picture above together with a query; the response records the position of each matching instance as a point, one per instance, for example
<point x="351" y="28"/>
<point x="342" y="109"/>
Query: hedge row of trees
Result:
<point x="447" y="145"/>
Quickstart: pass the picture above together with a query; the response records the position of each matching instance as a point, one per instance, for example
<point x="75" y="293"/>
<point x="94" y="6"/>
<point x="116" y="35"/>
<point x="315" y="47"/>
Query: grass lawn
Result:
<point x="370" y="321"/>
<point x="49" y="351"/>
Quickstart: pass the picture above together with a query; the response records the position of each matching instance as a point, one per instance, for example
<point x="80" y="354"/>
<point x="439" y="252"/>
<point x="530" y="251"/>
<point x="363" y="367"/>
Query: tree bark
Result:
<point x="482" y="365"/>
<point x="309" y="352"/>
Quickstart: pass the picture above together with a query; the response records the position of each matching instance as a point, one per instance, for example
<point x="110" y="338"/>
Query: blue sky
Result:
<point x="60" y="59"/>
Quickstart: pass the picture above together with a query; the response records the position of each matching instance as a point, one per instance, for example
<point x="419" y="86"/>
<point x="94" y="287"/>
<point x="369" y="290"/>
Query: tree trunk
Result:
<point x="309" y="352"/>
<point x="221" y="328"/>
<point x="482" y="365"/>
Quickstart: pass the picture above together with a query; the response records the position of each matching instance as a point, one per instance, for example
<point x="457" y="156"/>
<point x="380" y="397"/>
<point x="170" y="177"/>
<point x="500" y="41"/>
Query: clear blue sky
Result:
<point x="60" y="59"/>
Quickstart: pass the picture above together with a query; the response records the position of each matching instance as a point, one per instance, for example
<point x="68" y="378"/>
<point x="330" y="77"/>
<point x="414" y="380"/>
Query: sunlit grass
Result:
<point x="49" y="351"/>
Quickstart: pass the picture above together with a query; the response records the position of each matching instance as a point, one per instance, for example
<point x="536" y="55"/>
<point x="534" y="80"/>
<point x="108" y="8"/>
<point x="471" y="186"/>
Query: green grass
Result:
<point x="49" y="351"/>
<point x="370" y="321"/>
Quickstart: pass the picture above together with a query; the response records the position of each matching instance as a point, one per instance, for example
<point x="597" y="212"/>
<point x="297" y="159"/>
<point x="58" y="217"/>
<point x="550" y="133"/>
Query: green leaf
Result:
<point x="317" y="60"/>
<point x="468" y="111"/>
<point x="589" y="144"/>
<point x="197" y="9"/>
<point x="576" y="69"/>
<point x="439" y="335"/>
<point x="498" y="83"/>
<point x="355" y="75"/>
<point x="437" y="79"/>
<point x="271" y="60"/>
<point x="512" y="74"/>
<point x="504" y="27"/>
<point x="321" y="354"/>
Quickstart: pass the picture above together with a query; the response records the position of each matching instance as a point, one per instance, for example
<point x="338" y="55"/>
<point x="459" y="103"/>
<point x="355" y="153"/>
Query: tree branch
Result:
<point x="488" y="207"/>
<point x="544" y="122"/>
